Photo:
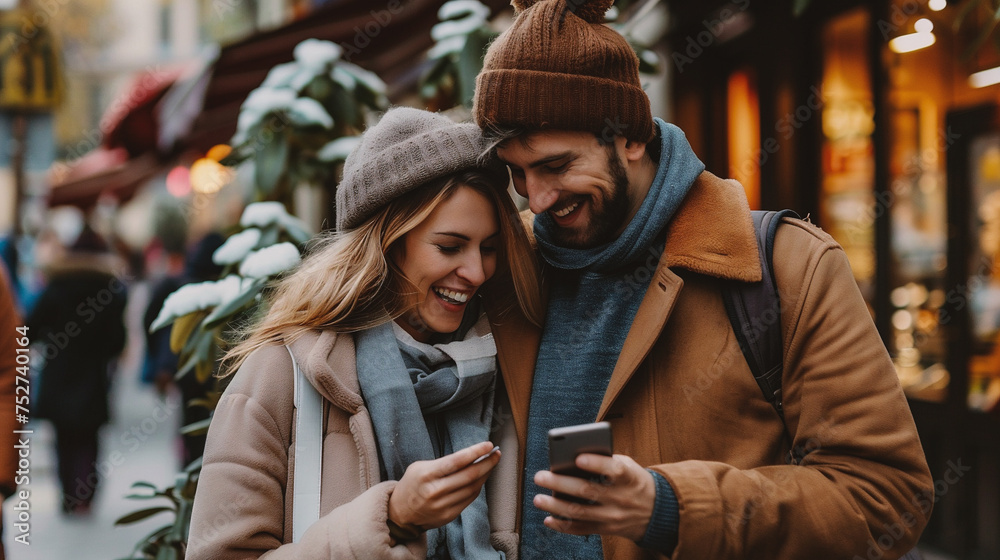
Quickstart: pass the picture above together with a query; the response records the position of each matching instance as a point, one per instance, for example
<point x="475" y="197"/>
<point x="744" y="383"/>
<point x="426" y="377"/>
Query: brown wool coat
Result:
<point x="243" y="504"/>
<point x="682" y="400"/>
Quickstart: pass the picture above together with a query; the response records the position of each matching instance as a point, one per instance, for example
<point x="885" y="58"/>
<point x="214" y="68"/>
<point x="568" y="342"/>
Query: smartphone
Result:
<point x="568" y="442"/>
<point x="486" y="455"/>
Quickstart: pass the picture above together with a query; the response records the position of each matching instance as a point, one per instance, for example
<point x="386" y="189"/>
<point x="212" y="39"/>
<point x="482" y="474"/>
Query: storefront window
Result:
<point x="847" y="201"/>
<point x="916" y="200"/>
<point x="984" y="272"/>
<point x="927" y="78"/>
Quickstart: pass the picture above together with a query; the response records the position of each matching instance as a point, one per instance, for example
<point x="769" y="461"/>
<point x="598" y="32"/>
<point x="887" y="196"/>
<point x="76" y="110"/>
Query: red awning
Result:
<point x="102" y="172"/>
<point x="131" y="121"/>
<point x="127" y="156"/>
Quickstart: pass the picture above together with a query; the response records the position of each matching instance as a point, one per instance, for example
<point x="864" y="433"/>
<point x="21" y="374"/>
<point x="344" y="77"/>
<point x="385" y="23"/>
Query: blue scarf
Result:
<point x="594" y="298"/>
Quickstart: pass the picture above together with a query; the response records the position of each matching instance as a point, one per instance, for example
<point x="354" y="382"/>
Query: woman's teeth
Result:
<point x="565" y="211"/>
<point x="451" y="296"/>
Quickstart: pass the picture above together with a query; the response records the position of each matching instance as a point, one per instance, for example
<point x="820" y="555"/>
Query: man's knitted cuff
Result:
<point x="661" y="534"/>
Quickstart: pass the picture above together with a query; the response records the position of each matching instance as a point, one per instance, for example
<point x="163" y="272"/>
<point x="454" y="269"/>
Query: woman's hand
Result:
<point x="432" y="493"/>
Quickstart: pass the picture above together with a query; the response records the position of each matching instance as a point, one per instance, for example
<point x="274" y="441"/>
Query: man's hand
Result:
<point x="623" y="500"/>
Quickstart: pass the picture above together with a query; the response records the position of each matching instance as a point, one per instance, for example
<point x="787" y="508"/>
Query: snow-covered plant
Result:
<point x="300" y="121"/>
<point x="293" y="129"/>
<point x="267" y="247"/>
<point x="649" y="61"/>
<point x="460" y="39"/>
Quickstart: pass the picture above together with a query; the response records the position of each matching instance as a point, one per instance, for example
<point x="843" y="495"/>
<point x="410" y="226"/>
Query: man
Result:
<point x="639" y="242"/>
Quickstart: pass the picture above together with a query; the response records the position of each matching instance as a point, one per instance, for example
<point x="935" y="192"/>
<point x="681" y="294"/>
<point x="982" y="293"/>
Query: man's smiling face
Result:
<point x="578" y="181"/>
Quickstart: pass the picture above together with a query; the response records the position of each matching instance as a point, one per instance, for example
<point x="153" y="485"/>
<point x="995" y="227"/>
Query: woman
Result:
<point x="384" y="320"/>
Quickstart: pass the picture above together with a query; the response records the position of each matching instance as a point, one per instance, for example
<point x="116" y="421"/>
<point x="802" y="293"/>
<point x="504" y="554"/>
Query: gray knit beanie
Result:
<point x="406" y="149"/>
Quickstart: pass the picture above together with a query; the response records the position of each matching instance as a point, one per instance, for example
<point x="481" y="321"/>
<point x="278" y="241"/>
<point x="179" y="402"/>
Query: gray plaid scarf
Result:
<point x="427" y="401"/>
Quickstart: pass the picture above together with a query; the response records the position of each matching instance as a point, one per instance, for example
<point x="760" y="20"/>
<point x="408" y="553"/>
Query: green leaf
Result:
<point x="157" y="534"/>
<point x="182" y="527"/>
<point x="270" y="163"/>
<point x="238" y="155"/>
<point x="197" y="338"/>
<point x="141" y="514"/>
<point x="430" y="82"/>
<point x="149" y="550"/>
<point x="195" y="465"/>
<point x="320" y="87"/>
<point x="370" y="98"/>
<point x="202" y="403"/>
<point x="343" y="106"/>
<point x="168" y="553"/>
<point x="299" y="235"/>
<point x="197" y="354"/>
<point x="144" y="496"/>
<point x="649" y="61"/>
<point x="196" y="428"/>
<point x="269" y="236"/>
<point x="337" y="150"/>
<point x="223" y="313"/>
<point x="143" y="484"/>
<point x="187" y="482"/>
<point x="195" y="350"/>
<point x="307" y="112"/>
<point x="470" y="63"/>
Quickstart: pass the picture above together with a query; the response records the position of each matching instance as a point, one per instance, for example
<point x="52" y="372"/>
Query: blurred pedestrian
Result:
<point x="78" y="324"/>
<point x="161" y="365"/>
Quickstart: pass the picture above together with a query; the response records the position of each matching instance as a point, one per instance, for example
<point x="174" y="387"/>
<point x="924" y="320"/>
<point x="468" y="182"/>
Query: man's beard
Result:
<point x="607" y="218"/>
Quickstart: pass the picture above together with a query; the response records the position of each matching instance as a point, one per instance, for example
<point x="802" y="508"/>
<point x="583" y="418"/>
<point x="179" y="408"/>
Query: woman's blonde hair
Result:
<point x="347" y="282"/>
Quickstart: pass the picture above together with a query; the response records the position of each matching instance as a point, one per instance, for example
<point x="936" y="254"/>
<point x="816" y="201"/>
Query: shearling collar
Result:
<point x="326" y="359"/>
<point x="712" y="232"/>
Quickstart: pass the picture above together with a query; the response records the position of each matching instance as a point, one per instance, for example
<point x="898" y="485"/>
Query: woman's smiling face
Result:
<point x="447" y="258"/>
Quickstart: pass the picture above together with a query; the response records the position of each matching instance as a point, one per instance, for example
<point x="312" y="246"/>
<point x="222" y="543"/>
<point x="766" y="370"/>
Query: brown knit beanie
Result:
<point x="406" y="149"/>
<point x="559" y="67"/>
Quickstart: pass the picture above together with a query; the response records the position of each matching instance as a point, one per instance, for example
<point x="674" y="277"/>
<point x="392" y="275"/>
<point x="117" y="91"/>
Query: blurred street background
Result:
<point x="137" y="136"/>
<point x="94" y="537"/>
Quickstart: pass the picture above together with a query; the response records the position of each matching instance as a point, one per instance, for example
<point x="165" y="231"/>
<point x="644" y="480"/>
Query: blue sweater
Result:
<point x="594" y="298"/>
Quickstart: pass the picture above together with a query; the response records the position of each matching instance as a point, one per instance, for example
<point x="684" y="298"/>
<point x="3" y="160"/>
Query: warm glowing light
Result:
<point x="923" y="25"/>
<point x="902" y="320"/>
<point x="208" y="176"/>
<point x="218" y="152"/>
<point x="179" y="181"/>
<point x="911" y="42"/>
<point x="985" y="78"/>
<point x="937" y="5"/>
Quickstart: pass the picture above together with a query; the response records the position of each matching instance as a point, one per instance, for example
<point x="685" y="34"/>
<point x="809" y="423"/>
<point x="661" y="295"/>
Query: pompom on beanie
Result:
<point x="559" y="67"/>
<point x="406" y="149"/>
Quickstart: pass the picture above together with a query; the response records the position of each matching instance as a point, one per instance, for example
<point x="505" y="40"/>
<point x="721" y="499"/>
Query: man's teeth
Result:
<point x="452" y="296"/>
<point x="567" y="210"/>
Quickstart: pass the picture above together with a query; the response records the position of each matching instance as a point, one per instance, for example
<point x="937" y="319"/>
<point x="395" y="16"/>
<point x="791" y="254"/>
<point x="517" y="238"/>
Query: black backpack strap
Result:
<point x="755" y="313"/>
